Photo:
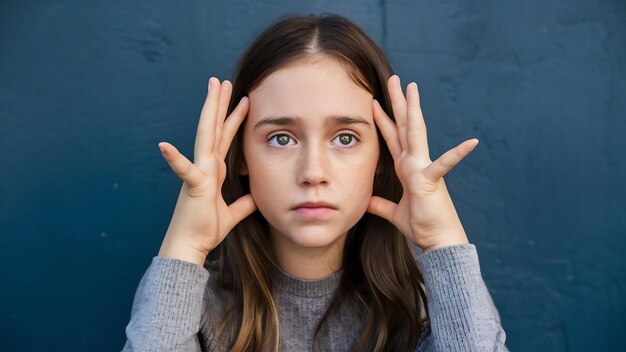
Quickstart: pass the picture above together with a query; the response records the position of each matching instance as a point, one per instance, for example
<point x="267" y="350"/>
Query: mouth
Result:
<point x="314" y="210"/>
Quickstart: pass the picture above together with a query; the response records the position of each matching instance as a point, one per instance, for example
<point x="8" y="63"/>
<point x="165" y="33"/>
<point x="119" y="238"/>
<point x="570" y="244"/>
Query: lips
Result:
<point x="315" y="205"/>
<point x="314" y="210"/>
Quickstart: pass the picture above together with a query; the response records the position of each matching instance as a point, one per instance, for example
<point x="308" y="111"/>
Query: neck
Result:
<point x="309" y="263"/>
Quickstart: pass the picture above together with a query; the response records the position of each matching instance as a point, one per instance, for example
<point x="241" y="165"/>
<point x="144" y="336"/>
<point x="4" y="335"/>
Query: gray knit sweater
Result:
<point x="176" y="306"/>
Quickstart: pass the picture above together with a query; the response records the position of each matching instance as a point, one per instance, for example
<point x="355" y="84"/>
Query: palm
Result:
<point x="202" y="218"/>
<point x="425" y="214"/>
<point x="218" y="216"/>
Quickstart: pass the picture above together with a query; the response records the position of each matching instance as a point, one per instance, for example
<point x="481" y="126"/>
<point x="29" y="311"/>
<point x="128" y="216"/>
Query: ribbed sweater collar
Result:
<point x="324" y="286"/>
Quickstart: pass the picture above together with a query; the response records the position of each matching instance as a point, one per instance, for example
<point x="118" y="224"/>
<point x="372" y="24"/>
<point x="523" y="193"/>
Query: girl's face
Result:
<point x="310" y="137"/>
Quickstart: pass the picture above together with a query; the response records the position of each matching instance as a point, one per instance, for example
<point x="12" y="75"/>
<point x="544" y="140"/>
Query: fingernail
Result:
<point x="210" y="83"/>
<point x="397" y="79"/>
<point x="162" y="149"/>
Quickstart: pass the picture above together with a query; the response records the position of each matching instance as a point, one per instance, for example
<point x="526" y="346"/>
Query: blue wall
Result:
<point x="88" y="89"/>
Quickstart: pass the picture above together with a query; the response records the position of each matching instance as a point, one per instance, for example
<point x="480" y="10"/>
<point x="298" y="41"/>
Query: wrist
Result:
<point x="182" y="252"/>
<point x="446" y="239"/>
<point x="443" y="244"/>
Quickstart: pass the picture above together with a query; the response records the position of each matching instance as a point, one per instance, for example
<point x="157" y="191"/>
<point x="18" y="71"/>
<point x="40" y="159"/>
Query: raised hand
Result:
<point x="202" y="219"/>
<point x="425" y="213"/>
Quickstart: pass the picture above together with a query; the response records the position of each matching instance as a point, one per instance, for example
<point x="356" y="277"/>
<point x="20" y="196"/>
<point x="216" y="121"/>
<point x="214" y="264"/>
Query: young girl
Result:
<point x="311" y="172"/>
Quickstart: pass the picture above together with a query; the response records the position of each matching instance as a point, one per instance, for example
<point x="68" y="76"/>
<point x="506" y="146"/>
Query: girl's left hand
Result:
<point x="425" y="213"/>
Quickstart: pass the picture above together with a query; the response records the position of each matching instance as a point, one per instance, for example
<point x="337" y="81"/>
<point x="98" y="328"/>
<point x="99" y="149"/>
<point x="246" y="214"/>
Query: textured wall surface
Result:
<point x="88" y="89"/>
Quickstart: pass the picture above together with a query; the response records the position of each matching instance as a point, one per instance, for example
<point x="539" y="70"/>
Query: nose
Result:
<point x="313" y="168"/>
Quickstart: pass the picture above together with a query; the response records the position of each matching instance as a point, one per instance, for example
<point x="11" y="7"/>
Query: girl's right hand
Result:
<point x="202" y="219"/>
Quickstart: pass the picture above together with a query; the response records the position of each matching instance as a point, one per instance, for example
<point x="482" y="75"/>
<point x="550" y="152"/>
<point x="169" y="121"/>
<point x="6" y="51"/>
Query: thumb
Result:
<point x="382" y="207"/>
<point x="242" y="207"/>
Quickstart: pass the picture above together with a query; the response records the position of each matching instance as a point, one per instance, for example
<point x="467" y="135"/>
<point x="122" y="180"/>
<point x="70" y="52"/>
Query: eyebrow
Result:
<point x="330" y="120"/>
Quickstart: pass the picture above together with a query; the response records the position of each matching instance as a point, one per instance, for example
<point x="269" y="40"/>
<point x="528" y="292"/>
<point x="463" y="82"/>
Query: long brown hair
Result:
<point x="380" y="274"/>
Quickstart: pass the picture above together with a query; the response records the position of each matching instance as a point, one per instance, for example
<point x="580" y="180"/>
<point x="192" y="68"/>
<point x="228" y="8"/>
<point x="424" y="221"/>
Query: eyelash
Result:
<point x="281" y="133"/>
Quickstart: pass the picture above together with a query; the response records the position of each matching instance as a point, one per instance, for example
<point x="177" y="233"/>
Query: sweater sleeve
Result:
<point x="462" y="314"/>
<point x="168" y="307"/>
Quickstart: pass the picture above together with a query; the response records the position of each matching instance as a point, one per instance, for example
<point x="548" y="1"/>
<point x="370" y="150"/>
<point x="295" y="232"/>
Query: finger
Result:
<point x="205" y="135"/>
<point x="241" y="208"/>
<point x="225" y="93"/>
<point x="398" y="104"/>
<point x="382" y="207"/>
<point x="185" y="169"/>
<point x="416" y="135"/>
<point x="449" y="160"/>
<point x="388" y="129"/>
<point x="231" y="125"/>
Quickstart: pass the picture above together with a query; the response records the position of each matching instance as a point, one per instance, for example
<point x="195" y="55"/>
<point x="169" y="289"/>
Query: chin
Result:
<point x="312" y="237"/>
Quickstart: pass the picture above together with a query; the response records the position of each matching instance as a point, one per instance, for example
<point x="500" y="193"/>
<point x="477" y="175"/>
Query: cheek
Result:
<point x="267" y="187"/>
<point x="358" y="175"/>
<point x="265" y="180"/>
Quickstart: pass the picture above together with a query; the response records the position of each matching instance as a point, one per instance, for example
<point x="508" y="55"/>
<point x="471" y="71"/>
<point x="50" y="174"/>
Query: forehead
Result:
<point x="309" y="90"/>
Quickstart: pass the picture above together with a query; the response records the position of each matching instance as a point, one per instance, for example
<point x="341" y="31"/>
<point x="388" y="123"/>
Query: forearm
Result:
<point x="461" y="310"/>
<point x="167" y="308"/>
